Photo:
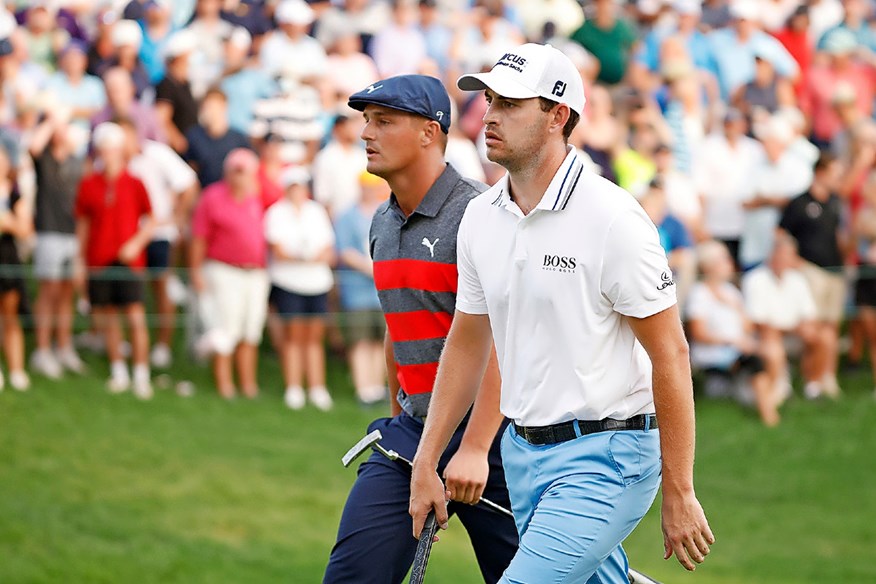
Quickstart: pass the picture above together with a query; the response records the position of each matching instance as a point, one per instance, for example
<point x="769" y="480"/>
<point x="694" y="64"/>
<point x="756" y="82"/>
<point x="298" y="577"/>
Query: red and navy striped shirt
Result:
<point x="415" y="274"/>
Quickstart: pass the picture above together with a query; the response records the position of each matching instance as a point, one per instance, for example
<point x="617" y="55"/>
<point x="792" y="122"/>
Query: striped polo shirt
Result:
<point x="415" y="274"/>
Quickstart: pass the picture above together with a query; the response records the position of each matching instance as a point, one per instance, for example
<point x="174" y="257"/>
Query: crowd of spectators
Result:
<point x="209" y="142"/>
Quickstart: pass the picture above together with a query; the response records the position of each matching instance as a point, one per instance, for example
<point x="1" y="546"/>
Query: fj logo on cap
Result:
<point x="559" y="89"/>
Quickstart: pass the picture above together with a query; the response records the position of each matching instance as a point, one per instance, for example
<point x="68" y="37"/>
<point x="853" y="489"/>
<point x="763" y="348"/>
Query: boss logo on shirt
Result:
<point x="555" y="263"/>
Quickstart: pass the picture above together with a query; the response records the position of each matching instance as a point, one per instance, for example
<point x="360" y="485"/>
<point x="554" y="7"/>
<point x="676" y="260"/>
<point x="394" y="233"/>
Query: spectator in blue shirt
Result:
<point x="244" y="83"/>
<point x="734" y="49"/>
<point x="157" y="30"/>
<point x="857" y="13"/>
<point x="364" y="322"/>
<point x="78" y="90"/>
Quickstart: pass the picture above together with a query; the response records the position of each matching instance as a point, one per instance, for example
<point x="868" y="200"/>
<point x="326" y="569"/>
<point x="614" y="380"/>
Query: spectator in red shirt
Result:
<point x="114" y="225"/>
<point x="228" y="256"/>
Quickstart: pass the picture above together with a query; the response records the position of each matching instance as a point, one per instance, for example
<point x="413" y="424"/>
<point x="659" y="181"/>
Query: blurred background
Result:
<point x="172" y="170"/>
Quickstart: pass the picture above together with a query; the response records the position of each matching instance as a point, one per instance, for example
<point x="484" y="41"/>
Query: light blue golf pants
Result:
<point x="575" y="503"/>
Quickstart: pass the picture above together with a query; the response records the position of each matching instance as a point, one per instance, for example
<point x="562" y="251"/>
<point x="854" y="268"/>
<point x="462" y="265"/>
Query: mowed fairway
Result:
<point x="100" y="488"/>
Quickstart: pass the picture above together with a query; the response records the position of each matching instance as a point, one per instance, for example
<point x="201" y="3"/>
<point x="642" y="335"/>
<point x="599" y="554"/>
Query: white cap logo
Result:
<point x="532" y="70"/>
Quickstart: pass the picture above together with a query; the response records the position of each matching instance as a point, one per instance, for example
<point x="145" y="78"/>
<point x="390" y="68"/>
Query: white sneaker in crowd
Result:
<point x="831" y="387"/>
<point x="320" y="398"/>
<point x="44" y="363"/>
<point x="294" y="398"/>
<point x="143" y="389"/>
<point x="161" y="357"/>
<point x="19" y="380"/>
<point x="812" y="390"/>
<point x="120" y="379"/>
<point x="69" y="359"/>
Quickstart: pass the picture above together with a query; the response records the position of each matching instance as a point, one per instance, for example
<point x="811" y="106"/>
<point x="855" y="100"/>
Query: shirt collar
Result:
<point x="435" y="196"/>
<point x="559" y="191"/>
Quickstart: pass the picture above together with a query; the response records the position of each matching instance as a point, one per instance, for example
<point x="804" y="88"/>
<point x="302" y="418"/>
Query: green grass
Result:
<point x="100" y="488"/>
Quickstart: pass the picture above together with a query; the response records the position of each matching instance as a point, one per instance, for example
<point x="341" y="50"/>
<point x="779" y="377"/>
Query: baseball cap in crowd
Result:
<point x="126" y="32"/>
<point x="294" y="175"/>
<point x="688" y="6"/>
<point x="840" y="41"/>
<point x="294" y="12"/>
<point x="745" y="9"/>
<point x="416" y="94"/>
<point x="531" y="70"/>
<point x="108" y="135"/>
<point x="180" y="43"/>
<point x="241" y="159"/>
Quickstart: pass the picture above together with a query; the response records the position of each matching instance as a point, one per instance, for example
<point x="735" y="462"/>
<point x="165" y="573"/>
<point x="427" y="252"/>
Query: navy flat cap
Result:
<point x="416" y="94"/>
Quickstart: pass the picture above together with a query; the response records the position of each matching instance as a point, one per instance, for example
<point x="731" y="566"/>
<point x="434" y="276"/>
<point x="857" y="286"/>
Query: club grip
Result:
<point x="424" y="548"/>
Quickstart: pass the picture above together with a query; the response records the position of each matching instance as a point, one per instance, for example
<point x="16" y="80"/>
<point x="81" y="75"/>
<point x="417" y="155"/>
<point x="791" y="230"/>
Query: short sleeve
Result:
<point x="179" y="175"/>
<point x="636" y="277"/>
<point x="470" y="297"/>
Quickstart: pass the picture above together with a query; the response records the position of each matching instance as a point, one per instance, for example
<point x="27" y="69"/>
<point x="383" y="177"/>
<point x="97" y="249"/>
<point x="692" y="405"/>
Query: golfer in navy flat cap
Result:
<point x="413" y="246"/>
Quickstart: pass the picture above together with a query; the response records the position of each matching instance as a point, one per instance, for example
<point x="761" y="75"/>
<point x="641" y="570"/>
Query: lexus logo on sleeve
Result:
<point x="665" y="281"/>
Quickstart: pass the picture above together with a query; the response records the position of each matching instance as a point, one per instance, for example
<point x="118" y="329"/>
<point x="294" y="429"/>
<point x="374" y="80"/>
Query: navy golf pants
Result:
<point x="375" y="545"/>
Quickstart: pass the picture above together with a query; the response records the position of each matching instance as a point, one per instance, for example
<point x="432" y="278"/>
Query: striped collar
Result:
<point x="559" y="191"/>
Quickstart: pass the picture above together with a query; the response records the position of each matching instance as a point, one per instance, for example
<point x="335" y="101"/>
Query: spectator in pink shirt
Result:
<point x="841" y="69"/>
<point x="227" y="261"/>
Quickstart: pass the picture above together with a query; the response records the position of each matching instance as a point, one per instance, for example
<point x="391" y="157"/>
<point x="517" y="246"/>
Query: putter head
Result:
<point x="361" y="446"/>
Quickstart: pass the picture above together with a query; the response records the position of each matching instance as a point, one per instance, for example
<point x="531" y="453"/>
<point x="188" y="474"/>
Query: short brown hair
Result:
<point x="547" y="105"/>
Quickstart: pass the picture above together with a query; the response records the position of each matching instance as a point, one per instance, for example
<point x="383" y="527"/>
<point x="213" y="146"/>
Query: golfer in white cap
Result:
<point x="564" y="271"/>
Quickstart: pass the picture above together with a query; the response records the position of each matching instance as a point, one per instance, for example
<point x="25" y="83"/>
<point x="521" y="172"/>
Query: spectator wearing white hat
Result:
<point x="209" y="29"/>
<point x="841" y="69"/>
<point x="775" y="13"/>
<point x="857" y="14"/>
<point x="244" y="82"/>
<point x="291" y="44"/>
<point x="127" y="38"/>
<point x="174" y="103"/>
<point x="823" y="16"/>
<point x="734" y="48"/>
<point x="114" y="226"/>
<point x="302" y="240"/>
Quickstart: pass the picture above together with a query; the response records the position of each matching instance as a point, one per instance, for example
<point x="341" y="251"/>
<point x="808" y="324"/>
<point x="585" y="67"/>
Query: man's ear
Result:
<point x="559" y="116"/>
<point x="431" y="131"/>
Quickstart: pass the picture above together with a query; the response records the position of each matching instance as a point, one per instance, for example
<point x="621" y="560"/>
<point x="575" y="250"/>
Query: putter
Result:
<point x="372" y="440"/>
<point x="424" y="548"/>
<point x="640" y="578"/>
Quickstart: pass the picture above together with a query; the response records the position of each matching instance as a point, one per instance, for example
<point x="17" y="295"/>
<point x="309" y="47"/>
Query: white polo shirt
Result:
<point x="557" y="285"/>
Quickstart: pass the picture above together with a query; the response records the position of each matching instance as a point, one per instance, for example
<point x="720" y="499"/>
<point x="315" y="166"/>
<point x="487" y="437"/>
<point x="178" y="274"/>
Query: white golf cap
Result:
<point x="294" y="12"/>
<point x="531" y="70"/>
<point x="108" y="135"/>
<point x="126" y="32"/>
<point x="745" y="9"/>
<point x="180" y="43"/>
<point x="688" y="6"/>
<point x="294" y="175"/>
